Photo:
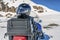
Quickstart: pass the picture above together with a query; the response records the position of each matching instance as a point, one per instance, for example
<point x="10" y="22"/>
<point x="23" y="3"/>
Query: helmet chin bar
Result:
<point x="23" y="16"/>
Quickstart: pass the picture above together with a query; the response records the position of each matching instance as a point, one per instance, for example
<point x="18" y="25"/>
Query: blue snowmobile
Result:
<point x="20" y="28"/>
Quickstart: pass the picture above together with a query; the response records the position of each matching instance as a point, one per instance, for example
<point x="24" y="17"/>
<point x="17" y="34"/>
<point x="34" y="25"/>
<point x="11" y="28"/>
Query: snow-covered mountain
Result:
<point x="46" y="11"/>
<point x="47" y="15"/>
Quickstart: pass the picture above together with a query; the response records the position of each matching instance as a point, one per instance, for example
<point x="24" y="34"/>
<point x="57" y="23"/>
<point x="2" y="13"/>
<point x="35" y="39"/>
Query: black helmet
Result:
<point x="23" y="9"/>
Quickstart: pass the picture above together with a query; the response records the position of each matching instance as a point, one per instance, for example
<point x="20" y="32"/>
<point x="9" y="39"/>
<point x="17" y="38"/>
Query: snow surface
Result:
<point x="48" y="17"/>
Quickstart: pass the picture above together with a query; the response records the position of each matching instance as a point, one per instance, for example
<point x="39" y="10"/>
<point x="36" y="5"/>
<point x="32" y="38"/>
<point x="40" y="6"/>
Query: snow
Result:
<point x="53" y="33"/>
<point x="48" y="17"/>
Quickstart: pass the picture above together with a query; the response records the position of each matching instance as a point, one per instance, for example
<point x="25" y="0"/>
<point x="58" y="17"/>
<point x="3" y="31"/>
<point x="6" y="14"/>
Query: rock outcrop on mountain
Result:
<point x="39" y="9"/>
<point x="8" y="15"/>
<point x="6" y="8"/>
<point x="12" y="9"/>
<point x="1" y="15"/>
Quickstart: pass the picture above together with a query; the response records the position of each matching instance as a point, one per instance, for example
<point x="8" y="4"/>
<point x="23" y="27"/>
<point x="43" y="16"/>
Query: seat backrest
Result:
<point x="19" y="26"/>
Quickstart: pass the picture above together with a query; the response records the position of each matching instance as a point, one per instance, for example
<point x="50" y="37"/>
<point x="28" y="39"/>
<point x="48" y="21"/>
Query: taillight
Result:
<point x="19" y="38"/>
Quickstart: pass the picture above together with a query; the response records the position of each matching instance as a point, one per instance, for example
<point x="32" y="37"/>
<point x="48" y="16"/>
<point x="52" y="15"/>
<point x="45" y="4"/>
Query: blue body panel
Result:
<point x="38" y="26"/>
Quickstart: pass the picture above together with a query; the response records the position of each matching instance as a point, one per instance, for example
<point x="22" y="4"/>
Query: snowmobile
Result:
<point x="23" y="27"/>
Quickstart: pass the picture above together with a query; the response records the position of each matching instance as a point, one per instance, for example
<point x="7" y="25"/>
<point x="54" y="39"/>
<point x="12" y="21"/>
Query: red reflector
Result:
<point x="19" y="38"/>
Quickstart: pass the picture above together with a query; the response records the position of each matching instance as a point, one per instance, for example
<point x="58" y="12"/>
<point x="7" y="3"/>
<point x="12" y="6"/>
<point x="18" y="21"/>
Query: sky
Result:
<point x="52" y="4"/>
